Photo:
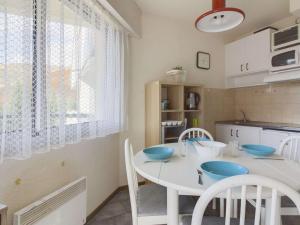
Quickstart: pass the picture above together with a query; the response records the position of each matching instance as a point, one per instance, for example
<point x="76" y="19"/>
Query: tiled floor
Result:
<point x="117" y="212"/>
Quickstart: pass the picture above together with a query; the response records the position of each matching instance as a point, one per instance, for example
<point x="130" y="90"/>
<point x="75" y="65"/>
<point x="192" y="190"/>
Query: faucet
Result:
<point x="244" y="117"/>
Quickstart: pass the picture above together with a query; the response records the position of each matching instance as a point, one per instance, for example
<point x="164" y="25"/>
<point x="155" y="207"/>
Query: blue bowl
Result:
<point x="259" y="150"/>
<point x="158" y="152"/>
<point x="219" y="170"/>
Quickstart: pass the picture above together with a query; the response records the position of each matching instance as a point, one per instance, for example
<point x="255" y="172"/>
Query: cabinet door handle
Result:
<point x="247" y="66"/>
<point x="237" y="133"/>
<point x="231" y="134"/>
<point x="242" y="68"/>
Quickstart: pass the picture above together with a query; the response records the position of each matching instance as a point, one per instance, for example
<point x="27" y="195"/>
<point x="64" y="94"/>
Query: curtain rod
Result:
<point x="107" y="8"/>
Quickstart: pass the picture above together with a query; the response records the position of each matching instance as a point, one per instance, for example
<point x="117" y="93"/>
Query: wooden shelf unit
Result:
<point x="171" y="110"/>
<point x="176" y="93"/>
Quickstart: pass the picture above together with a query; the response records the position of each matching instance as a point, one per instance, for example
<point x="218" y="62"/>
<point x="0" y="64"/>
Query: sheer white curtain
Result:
<point x="62" y="75"/>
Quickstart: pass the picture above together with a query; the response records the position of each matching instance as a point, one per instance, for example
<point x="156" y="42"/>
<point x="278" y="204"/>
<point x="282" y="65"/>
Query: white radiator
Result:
<point x="66" y="206"/>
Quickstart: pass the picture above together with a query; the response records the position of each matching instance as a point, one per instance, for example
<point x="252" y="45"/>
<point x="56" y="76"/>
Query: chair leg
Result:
<point x="214" y="204"/>
<point x="235" y="208"/>
<point x="263" y="216"/>
<point x="222" y="207"/>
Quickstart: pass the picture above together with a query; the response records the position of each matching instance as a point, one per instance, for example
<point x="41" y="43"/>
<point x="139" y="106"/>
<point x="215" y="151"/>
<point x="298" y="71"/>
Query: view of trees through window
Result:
<point x="70" y="66"/>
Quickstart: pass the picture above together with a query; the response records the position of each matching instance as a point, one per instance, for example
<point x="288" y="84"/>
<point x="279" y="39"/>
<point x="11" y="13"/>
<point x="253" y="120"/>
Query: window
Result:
<point x="61" y="75"/>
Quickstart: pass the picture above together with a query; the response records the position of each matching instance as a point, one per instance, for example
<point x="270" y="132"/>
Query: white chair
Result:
<point x="243" y="187"/>
<point x="195" y="132"/>
<point x="199" y="132"/>
<point x="149" y="202"/>
<point x="3" y="214"/>
<point x="290" y="149"/>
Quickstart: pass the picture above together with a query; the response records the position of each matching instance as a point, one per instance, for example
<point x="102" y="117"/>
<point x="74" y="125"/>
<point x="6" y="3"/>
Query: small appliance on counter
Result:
<point x="286" y="37"/>
<point x="165" y="104"/>
<point x="192" y="100"/>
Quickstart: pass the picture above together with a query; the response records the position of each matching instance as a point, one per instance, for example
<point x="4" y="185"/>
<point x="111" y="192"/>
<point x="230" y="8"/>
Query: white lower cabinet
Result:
<point x="224" y="133"/>
<point x="251" y="135"/>
<point x="273" y="138"/>
<point x="243" y="134"/>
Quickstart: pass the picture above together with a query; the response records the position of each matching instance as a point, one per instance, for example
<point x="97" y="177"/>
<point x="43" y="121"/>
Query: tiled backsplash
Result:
<point x="278" y="102"/>
<point x="271" y="103"/>
<point x="219" y="104"/>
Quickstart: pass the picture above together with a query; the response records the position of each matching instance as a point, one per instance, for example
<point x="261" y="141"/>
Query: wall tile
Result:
<point x="270" y="103"/>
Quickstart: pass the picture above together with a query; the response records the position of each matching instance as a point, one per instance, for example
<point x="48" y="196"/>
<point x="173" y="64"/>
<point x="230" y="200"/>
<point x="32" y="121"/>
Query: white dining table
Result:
<point x="179" y="175"/>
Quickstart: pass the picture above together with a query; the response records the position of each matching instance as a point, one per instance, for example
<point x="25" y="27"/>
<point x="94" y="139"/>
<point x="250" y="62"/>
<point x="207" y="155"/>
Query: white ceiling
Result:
<point x="259" y="13"/>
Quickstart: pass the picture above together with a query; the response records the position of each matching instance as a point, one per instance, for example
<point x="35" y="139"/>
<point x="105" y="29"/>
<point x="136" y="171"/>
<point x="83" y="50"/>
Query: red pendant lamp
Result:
<point x="220" y="18"/>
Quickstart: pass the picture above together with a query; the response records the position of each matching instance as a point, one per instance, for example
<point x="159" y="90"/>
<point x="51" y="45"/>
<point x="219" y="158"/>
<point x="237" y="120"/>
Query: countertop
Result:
<point x="289" y="127"/>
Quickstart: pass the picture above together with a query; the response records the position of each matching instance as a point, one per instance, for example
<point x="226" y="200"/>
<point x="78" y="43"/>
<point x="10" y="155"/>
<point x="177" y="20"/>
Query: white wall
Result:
<point x="130" y="12"/>
<point x="43" y="173"/>
<point x="167" y="43"/>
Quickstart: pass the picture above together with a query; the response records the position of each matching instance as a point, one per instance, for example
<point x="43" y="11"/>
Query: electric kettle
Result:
<point x="192" y="100"/>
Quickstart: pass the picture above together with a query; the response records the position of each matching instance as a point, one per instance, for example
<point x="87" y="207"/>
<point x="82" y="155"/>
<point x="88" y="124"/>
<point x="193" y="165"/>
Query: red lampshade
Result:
<point x="219" y="18"/>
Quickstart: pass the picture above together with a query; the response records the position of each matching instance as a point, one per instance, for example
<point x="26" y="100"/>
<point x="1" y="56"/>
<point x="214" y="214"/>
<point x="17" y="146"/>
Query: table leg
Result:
<point x="172" y="206"/>
<point x="277" y="214"/>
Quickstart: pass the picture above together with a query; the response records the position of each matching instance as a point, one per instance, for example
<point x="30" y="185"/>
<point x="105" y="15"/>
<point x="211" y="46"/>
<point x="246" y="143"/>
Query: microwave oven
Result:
<point x="285" y="60"/>
<point x="287" y="37"/>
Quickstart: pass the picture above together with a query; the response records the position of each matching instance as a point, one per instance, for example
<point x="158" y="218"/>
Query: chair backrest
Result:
<point x="132" y="180"/>
<point x="245" y="187"/>
<point x="3" y="214"/>
<point x="290" y="148"/>
<point x="195" y="132"/>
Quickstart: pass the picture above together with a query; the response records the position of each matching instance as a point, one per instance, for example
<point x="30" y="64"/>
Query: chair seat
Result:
<point x="211" y="220"/>
<point x="152" y="201"/>
<point x="286" y="202"/>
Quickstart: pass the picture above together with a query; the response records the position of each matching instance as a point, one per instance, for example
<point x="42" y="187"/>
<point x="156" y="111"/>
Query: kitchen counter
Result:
<point x="289" y="127"/>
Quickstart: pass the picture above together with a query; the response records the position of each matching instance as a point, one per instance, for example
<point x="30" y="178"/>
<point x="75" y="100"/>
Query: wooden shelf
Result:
<point x="176" y="126"/>
<point x="171" y="138"/>
<point x="171" y="110"/>
<point x="176" y="93"/>
<point x="192" y="110"/>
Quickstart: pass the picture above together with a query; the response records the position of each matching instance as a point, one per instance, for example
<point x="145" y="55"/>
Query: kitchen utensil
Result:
<point x="233" y="148"/>
<point x="192" y="100"/>
<point x="183" y="148"/>
<point x="196" y="122"/>
<point x="218" y="170"/>
<point x="200" y="144"/>
<point x="200" y="176"/>
<point x="165" y="104"/>
<point x="269" y="158"/>
<point x="258" y="150"/>
<point x="158" y="152"/>
<point x="169" y="123"/>
<point x="150" y="161"/>
<point x="209" y="149"/>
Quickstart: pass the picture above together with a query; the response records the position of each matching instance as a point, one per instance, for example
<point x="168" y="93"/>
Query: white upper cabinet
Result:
<point x="248" y="55"/>
<point x="234" y="58"/>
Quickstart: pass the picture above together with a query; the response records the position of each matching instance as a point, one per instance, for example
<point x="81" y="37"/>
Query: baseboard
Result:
<point x="93" y="214"/>
<point x="125" y="187"/>
<point x="121" y="188"/>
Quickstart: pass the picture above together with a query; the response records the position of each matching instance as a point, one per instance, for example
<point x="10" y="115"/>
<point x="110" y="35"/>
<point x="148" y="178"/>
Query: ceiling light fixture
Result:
<point x="220" y="18"/>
